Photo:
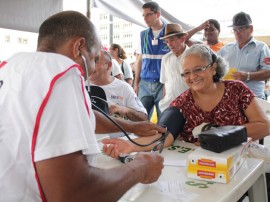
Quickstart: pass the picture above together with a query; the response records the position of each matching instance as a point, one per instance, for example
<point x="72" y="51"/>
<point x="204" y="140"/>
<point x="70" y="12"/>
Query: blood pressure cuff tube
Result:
<point x="173" y="119"/>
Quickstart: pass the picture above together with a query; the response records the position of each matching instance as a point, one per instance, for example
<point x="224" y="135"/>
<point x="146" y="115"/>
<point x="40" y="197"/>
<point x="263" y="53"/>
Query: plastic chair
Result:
<point x="266" y="109"/>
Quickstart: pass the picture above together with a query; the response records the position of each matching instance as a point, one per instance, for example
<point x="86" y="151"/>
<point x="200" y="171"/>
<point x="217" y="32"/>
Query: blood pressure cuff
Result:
<point x="223" y="138"/>
<point x="173" y="119"/>
<point x="98" y="99"/>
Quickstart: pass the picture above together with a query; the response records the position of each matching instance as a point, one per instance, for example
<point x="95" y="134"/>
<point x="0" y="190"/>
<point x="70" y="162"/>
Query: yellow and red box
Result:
<point x="216" y="167"/>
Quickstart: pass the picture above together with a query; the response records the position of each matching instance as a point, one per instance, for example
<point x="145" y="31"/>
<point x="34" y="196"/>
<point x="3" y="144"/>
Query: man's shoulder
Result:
<point x="228" y="46"/>
<point x="54" y="62"/>
<point x="38" y="54"/>
<point x="259" y="43"/>
<point x="56" y="58"/>
<point x="119" y="87"/>
<point x="144" y="31"/>
<point x="118" y="84"/>
<point x="167" y="55"/>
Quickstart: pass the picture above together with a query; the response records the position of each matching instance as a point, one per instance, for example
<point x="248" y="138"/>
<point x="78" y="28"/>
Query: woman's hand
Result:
<point x="113" y="147"/>
<point x="197" y="143"/>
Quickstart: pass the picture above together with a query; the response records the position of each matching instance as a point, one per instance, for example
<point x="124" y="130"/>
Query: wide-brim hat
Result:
<point x="241" y="19"/>
<point x="172" y="30"/>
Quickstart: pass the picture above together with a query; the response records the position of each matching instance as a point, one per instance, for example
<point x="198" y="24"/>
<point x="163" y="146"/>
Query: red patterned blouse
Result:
<point x="229" y="111"/>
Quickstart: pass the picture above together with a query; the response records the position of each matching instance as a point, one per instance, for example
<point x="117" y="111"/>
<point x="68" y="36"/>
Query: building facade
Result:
<point x="116" y="30"/>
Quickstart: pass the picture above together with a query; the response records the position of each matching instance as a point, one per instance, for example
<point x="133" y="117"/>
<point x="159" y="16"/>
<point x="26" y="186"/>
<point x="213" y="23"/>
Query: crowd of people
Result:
<point x="48" y="128"/>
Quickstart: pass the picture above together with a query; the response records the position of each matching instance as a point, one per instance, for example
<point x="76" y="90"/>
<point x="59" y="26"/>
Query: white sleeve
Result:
<point x="65" y="125"/>
<point x="162" y="78"/>
<point x="116" y="68"/>
<point x="127" y="70"/>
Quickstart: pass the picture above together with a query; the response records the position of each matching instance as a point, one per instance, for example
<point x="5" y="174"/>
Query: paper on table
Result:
<point x="170" y="186"/>
<point x="173" y="189"/>
<point x="180" y="163"/>
<point x="227" y="76"/>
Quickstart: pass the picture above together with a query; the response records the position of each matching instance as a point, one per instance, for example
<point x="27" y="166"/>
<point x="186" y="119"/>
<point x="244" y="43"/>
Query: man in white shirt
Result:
<point x="170" y="74"/>
<point x="120" y="96"/>
<point x="47" y="126"/>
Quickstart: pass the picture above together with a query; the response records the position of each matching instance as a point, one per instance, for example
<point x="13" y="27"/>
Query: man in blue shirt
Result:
<point x="246" y="54"/>
<point x="151" y="51"/>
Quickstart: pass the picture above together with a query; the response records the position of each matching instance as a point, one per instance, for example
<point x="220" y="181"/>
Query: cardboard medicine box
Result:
<point x="216" y="167"/>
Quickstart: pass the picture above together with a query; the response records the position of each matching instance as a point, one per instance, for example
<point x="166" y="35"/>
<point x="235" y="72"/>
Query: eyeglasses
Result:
<point x="160" y="144"/>
<point x="147" y="15"/>
<point x="239" y="30"/>
<point x="196" y="71"/>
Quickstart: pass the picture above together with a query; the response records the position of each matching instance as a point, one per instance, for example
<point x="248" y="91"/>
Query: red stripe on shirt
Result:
<point x="40" y="111"/>
<point x="2" y="64"/>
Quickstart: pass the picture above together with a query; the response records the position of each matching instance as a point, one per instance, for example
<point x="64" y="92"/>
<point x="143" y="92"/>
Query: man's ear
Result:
<point x="183" y="38"/>
<point x="109" y="65"/>
<point x="251" y="28"/>
<point x="158" y="14"/>
<point x="78" y="45"/>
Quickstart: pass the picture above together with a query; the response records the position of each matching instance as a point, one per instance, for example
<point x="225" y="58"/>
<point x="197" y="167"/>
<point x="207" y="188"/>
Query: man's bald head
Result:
<point x="63" y="26"/>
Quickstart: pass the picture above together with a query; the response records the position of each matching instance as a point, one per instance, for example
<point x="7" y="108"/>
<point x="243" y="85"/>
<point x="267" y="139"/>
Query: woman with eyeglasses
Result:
<point x="212" y="100"/>
<point x="209" y="100"/>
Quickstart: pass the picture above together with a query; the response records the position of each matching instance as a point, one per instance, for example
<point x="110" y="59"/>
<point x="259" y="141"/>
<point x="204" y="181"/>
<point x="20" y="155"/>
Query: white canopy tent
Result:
<point x="193" y="12"/>
<point x="27" y="15"/>
<point x="131" y="10"/>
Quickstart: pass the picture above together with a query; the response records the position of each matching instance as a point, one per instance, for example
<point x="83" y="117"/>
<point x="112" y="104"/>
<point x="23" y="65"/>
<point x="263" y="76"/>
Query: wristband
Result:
<point x="248" y="76"/>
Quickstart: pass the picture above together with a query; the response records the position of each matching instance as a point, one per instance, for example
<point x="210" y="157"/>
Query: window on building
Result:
<point x="116" y="25"/>
<point x="19" y="40"/>
<point x="104" y="37"/>
<point x="127" y="45"/>
<point x="7" y="38"/>
<point x="103" y="16"/>
<point x="25" y="41"/>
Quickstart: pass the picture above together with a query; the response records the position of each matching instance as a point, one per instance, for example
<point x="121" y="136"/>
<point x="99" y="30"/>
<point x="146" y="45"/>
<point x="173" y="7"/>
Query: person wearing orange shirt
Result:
<point x="211" y="29"/>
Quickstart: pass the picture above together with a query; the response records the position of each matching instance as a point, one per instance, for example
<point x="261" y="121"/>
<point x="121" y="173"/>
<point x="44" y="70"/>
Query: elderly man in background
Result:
<point x="170" y="73"/>
<point x="120" y="96"/>
<point x="245" y="55"/>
